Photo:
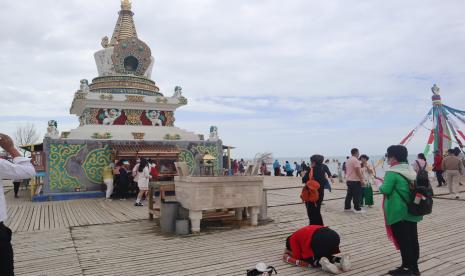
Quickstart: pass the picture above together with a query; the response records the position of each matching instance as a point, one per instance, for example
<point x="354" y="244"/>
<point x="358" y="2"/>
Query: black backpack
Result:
<point x="420" y="202"/>
<point x="422" y="174"/>
<point x="255" y="272"/>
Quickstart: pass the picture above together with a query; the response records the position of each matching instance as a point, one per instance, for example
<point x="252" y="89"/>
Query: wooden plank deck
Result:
<point x="98" y="237"/>
<point x="26" y="216"/>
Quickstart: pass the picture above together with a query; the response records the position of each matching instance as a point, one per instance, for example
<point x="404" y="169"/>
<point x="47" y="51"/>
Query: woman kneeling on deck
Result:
<point x="315" y="246"/>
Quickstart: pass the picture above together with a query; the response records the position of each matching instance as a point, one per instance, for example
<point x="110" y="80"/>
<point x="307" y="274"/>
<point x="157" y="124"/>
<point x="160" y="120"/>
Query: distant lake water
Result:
<point x="374" y="160"/>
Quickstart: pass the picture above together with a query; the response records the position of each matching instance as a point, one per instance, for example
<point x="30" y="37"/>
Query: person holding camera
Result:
<point x="20" y="168"/>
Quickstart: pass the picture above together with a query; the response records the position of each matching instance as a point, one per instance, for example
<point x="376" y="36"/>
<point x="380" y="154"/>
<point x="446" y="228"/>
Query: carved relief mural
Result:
<point x="111" y="116"/>
<point x="133" y="117"/>
<point x="79" y="167"/>
<point x="213" y="151"/>
<point x="115" y="116"/>
<point x="187" y="156"/>
<point x="74" y="167"/>
<point x="95" y="161"/>
<point x="194" y="153"/>
<point x="135" y="98"/>
<point x="154" y="118"/>
<point x="59" y="179"/>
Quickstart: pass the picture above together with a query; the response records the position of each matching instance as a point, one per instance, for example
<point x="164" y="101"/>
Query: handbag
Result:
<point x="310" y="190"/>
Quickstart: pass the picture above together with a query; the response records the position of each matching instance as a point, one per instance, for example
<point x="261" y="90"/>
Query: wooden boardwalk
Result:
<point x="25" y="215"/>
<point x="96" y="237"/>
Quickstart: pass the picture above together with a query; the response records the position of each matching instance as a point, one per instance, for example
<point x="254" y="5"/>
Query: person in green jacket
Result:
<point x="398" y="220"/>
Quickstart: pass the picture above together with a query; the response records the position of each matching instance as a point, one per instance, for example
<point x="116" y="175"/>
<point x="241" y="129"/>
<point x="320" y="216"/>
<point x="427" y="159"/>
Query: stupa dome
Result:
<point x="125" y="63"/>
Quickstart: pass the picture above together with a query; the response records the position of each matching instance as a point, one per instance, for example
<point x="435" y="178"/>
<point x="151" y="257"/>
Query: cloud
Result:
<point x="288" y="77"/>
<point x="212" y="106"/>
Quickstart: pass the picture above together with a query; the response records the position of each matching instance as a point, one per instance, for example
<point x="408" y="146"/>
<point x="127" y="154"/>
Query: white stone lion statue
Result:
<point x="84" y="86"/>
<point x="213" y="134"/>
<point x="52" y="131"/>
<point x="177" y="92"/>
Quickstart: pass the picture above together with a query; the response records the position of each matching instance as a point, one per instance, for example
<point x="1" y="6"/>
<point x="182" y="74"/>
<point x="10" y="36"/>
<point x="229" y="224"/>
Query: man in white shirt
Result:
<point x="20" y="168"/>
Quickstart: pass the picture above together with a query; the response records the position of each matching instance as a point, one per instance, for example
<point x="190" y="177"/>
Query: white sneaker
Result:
<point x="457" y="196"/>
<point x="348" y="210"/>
<point x="327" y="266"/>
<point x="361" y="211"/>
<point x="346" y="264"/>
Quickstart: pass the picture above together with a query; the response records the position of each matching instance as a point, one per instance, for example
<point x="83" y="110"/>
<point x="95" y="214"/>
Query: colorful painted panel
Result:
<point x="186" y="156"/>
<point x="193" y="154"/>
<point x="114" y="116"/>
<point x="213" y="151"/>
<point x="111" y="116"/>
<point x="59" y="179"/>
<point x="95" y="161"/>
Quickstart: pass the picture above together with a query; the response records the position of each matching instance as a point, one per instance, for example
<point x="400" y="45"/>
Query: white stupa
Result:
<point x="123" y="102"/>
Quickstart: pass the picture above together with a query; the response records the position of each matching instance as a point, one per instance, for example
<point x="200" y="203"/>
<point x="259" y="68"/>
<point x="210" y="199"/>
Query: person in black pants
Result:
<point x="6" y="252"/>
<point x="355" y="182"/>
<point x="437" y="168"/>
<point x="316" y="246"/>
<point x="354" y="193"/>
<point x="403" y="225"/>
<point x="19" y="168"/>
<point x="122" y="181"/>
<point x="440" y="178"/>
<point x="16" y="184"/>
<point x="406" y="235"/>
<point x="314" y="208"/>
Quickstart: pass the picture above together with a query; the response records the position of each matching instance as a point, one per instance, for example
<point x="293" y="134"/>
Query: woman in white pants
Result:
<point x="453" y="166"/>
<point x="108" y="180"/>
<point x="143" y="179"/>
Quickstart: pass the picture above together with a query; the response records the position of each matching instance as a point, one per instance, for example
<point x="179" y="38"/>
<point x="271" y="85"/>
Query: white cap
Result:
<point x="261" y="267"/>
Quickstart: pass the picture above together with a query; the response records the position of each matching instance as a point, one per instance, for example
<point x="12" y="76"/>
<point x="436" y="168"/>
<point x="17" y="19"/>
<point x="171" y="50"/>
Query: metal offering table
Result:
<point x="197" y="194"/>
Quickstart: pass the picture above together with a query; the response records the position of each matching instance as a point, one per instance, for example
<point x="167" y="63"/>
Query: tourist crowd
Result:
<point x="407" y="196"/>
<point x="406" y="190"/>
<point x="122" y="181"/>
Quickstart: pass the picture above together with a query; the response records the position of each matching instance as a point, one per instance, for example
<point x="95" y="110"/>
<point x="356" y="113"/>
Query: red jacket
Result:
<point x="154" y="173"/>
<point x="301" y="242"/>
<point x="437" y="166"/>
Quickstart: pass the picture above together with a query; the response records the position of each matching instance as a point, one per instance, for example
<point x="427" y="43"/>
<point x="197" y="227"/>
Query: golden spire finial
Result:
<point x="125" y="25"/>
<point x="126" y="4"/>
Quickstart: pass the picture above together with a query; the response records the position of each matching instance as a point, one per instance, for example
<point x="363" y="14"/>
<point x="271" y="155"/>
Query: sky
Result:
<point x="293" y="77"/>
